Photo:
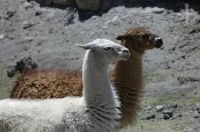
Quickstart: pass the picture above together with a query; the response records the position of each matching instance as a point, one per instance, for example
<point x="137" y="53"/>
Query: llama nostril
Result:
<point x="158" y="42"/>
<point x="126" y="53"/>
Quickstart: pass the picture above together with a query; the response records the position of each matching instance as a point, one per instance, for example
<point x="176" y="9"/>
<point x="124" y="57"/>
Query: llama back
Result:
<point x="47" y="84"/>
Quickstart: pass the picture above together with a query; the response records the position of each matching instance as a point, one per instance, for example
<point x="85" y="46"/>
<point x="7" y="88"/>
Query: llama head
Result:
<point x="140" y="39"/>
<point x="107" y="51"/>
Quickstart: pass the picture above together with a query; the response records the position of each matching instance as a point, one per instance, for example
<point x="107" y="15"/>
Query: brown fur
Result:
<point x="126" y="77"/>
<point x="47" y="84"/>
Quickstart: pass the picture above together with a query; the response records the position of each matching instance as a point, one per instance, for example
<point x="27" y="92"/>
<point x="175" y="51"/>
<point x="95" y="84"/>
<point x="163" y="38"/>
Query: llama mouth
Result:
<point x="124" y="56"/>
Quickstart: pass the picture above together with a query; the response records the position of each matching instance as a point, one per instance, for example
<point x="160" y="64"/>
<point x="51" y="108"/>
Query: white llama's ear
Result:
<point x="86" y="46"/>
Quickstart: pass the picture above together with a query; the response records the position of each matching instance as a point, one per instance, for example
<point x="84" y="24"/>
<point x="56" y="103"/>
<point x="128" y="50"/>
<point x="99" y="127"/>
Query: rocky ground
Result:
<point x="172" y="74"/>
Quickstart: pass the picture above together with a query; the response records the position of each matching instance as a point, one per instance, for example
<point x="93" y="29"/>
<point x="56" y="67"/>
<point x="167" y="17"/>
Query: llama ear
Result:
<point x="85" y="46"/>
<point x="124" y="37"/>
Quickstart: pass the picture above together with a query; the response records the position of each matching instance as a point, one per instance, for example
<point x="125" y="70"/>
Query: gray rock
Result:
<point x="198" y="109"/>
<point x="175" y="106"/>
<point x="27" y="5"/>
<point x="25" y="63"/>
<point x="167" y="114"/>
<point x="88" y="4"/>
<point x="9" y="14"/>
<point x="159" y="108"/>
<point x="11" y="71"/>
<point x="149" y="117"/>
<point x="115" y="19"/>
<point x="27" y="24"/>
<point x="2" y="36"/>
<point x="179" y="115"/>
<point x="197" y="116"/>
<point x="149" y="108"/>
<point x="153" y="10"/>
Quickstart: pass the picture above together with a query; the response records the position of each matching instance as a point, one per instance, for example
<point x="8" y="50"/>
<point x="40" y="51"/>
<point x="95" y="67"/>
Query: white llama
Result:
<point x="96" y="111"/>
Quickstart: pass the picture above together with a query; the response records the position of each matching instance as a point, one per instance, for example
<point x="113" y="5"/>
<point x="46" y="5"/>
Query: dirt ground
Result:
<point x="171" y="74"/>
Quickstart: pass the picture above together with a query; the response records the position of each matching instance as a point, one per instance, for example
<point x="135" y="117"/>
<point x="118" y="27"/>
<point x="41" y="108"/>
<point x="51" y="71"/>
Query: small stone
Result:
<point x="198" y="109"/>
<point x="25" y="63"/>
<point x="158" y="10"/>
<point x="38" y="13"/>
<point x="167" y="114"/>
<point x="197" y="116"/>
<point x="175" y="106"/>
<point x="106" y="24"/>
<point x="159" y="108"/>
<point x="149" y="108"/>
<point x="149" y="117"/>
<point x="11" y="71"/>
<point x="27" y="24"/>
<point x="179" y="115"/>
<point x="27" y="5"/>
<point x="9" y="14"/>
<point x="28" y="39"/>
<point x="115" y="19"/>
<point x="2" y="36"/>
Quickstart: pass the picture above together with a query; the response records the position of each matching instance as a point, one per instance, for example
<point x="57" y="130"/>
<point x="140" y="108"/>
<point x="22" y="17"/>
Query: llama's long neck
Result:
<point x="129" y="72"/>
<point x="129" y="83"/>
<point x="97" y="89"/>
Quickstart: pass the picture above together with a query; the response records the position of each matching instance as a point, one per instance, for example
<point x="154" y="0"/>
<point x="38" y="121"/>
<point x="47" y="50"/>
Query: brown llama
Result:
<point x="126" y="77"/>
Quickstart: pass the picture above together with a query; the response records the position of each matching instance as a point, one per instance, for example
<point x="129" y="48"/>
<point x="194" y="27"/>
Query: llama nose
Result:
<point x="126" y="53"/>
<point x="158" y="41"/>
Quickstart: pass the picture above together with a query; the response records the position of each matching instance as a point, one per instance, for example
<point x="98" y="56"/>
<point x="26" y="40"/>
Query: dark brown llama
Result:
<point x="127" y="75"/>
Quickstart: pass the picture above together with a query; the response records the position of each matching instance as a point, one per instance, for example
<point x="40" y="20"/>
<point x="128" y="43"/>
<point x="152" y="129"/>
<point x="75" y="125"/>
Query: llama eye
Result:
<point x="107" y="48"/>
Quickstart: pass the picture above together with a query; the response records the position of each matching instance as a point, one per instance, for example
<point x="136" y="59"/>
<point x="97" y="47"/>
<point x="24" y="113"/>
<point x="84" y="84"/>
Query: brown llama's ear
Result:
<point x="124" y="37"/>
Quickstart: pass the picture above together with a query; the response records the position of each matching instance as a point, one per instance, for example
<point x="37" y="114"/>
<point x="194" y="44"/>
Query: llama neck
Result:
<point x="128" y="81"/>
<point x="96" y="86"/>
<point x="129" y="73"/>
<point x="101" y="101"/>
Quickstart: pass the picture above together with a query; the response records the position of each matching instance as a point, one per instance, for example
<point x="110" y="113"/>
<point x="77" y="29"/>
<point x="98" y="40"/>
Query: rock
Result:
<point x="92" y="5"/>
<point x="175" y="106"/>
<point x="159" y="108"/>
<point x="153" y="10"/>
<point x="149" y="117"/>
<point x="167" y="114"/>
<point x="27" y="5"/>
<point x="179" y="115"/>
<point x="197" y="129"/>
<point x="2" y="36"/>
<point x="149" y="108"/>
<point x="198" y="109"/>
<point x="38" y="13"/>
<point x="27" y="24"/>
<point x="69" y="19"/>
<point x="106" y="24"/>
<point x="115" y="19"/>
<point x="196" y="116"/>
<point x="25" y="63"/>
<point x="9" y="14"/>
<point x="11" y="71"/>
